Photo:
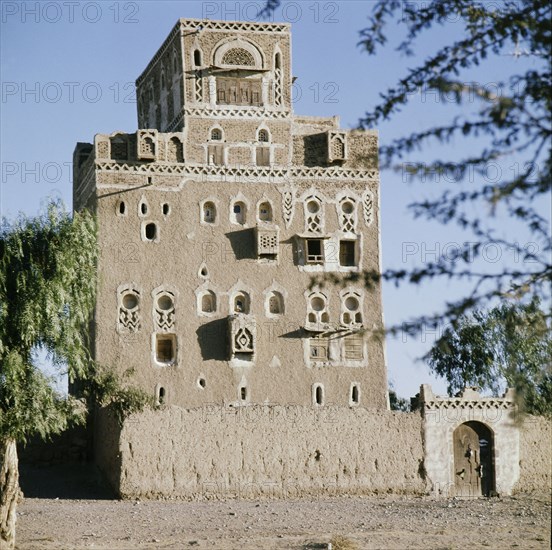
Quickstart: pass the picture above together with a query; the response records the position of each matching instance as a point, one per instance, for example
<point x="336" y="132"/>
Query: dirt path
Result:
<point x="371" y="522"/>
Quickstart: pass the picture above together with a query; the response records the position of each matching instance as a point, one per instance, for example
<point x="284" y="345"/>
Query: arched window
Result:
<point x="276" y="303"/>
<point x="239" y="212"/>
<point x="122" y="208"/>
<point x="318" y="394"/>
<point x="197" y="58"/>
<point x="355" y="394"/>
<point x="162" y="81"/>
<point x="265" y="212"/>
<point x="209" y="213"/>
<point x="278" y="61"/>
<point x="238" y="56"/>
<point x="351" y="310"/>
<point x="216" y="134"/>
<point x="208" y="302"/>
<point x="263" y="136"/>
<point x="175" y="63"/>
<point x="150" y="231"/>
<point x="241" y="303"/>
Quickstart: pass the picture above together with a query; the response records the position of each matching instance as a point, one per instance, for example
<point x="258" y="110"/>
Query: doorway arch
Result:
<point x="473" y="444"/>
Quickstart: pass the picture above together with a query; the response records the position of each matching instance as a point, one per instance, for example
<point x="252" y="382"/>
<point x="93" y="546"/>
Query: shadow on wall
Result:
<point x="243" y="244"/>
<point x="212" y="338"/>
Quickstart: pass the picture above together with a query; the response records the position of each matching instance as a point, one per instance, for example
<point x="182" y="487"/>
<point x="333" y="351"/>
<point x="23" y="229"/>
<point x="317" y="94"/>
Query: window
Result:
<point x="209" y="212"/>
<point x="353" y="347"/>
<point x="238" y="214"/>
<point x="318" y="394"/>
<point x="119" y="148"/>
<point x="143" y="208"/>
<point x="165" y="348"/>
<point x="241" y="303"/>
<point x="150" y="231"/>
<point x="197" y="58"/>
<point x="262" y="155"/>
<point x="315" y="251"/>
<point x="313" y="215"/>
<point x="350" y="307"/>
<point x="122" y="208"/>
<point x="208" y="302"/>
<point x="238" y="56"/>
<point x="130" y="301"/>
<point x="215" y="155"/>
<point x="347" y="255"/>
<point x="216" y="134"/>
<point x="319" y="349"/>
<point x="239" y="91"/>
<point x="277" y="61"/>
<point x="355" y="394"/>
<point x="166" y="209"/>
<point x="201" y="382"/>
<point x="161" y="395"/>
<point x="243" y="393"/>
<point x="317" y="311"/>
<point x="276" y="303"/>
<point x="263" y="136"/>
<point x="265" y="212"/>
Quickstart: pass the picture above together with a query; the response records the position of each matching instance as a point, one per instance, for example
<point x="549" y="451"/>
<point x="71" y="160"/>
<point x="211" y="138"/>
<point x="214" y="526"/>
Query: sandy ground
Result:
<point x="98" y="521"/>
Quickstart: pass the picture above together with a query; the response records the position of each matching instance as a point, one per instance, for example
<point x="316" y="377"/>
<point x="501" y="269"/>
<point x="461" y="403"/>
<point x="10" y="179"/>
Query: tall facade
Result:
<point x="220" y="217"/>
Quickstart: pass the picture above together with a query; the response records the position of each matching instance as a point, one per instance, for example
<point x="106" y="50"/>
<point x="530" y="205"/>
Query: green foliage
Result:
<point x="397" y="403"/>
<point x="106" y="389"/>
<point x="47" y="296"/>
<point x="509" y="345"/>
<point x="515" y="121"/>
<point x="47" y="293"/>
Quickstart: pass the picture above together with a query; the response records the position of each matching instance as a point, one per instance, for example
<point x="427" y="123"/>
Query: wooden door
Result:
<point x="473" y="460"/>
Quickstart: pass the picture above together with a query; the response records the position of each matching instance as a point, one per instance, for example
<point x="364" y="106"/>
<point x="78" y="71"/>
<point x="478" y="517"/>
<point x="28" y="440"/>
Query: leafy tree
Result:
<point x="510" y="345"/>
<point x="397" y="403"/>
<point x="47" y="295"/>
<point x="514" y="122"/>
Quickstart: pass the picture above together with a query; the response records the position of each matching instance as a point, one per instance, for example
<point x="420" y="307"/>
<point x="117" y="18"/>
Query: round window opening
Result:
<point x="351" y="303"/>
<point x="347" y="207"/>
<point x="130" y="301"/>
<point x="165" y="302"/>
<point x="313" y="207"/>
<point x="317" y="304"/>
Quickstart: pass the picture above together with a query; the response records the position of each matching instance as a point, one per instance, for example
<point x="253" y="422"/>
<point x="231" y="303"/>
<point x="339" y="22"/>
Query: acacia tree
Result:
<point x="514" y="122"/>
<point x="510" y="345"/>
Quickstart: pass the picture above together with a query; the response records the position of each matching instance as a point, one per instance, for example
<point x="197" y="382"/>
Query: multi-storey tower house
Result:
<point x="214" y="218"/>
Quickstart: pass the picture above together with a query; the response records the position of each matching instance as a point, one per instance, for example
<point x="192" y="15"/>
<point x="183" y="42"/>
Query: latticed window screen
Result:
<point x="267" y="242"/>
<point x="353" y="347"/>
<point x="338" y="149"/>
<point x="243" y="341"/>
<point x="238" y="56"/>
<point x="119" y="149"/>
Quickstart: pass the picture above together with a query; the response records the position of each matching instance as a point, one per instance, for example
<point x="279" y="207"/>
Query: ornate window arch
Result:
<point x="238" y="52"/>
<point x="317" y="309"/>
<point x="351" y="308"/>
<point x="129" y="315"/>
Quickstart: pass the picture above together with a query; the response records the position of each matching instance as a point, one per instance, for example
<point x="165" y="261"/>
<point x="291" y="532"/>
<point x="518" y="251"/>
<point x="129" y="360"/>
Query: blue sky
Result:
<point x="68" y="72"/>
